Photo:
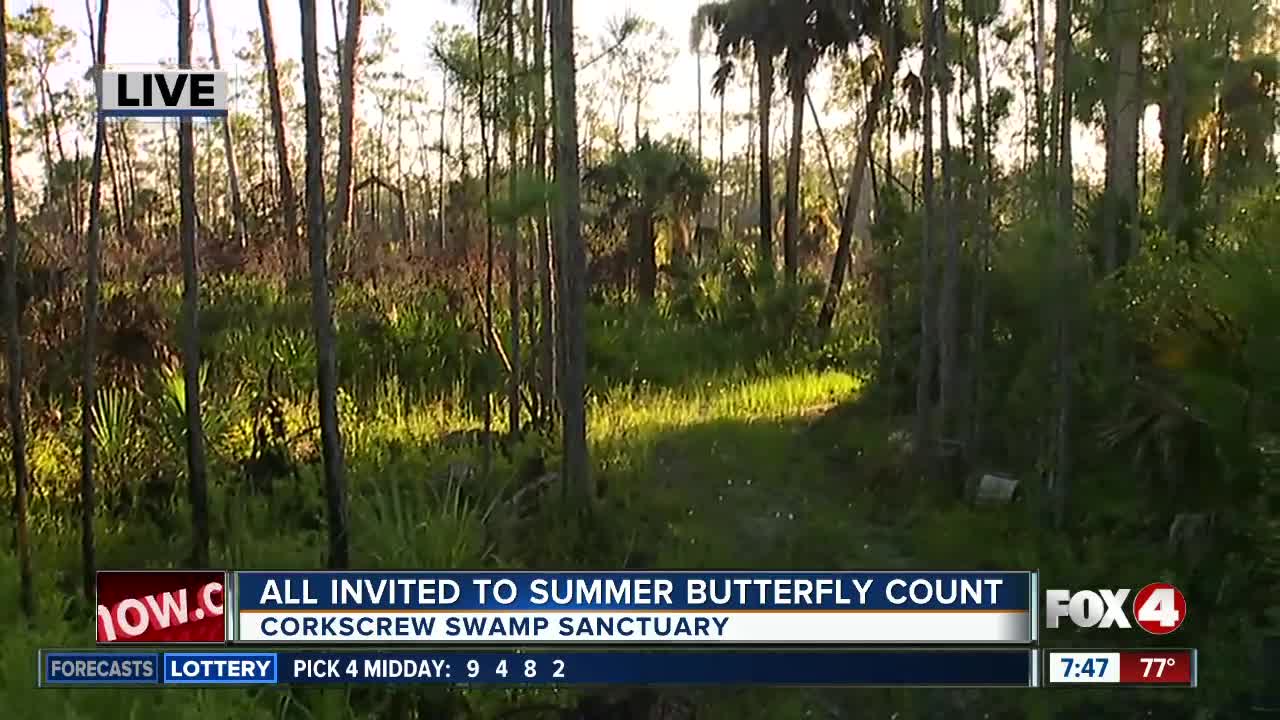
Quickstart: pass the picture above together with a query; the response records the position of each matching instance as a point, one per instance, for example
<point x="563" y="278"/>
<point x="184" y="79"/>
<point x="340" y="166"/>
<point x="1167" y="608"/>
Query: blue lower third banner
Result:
<point x="634" y="608"/>
<point x="882" y="668"/>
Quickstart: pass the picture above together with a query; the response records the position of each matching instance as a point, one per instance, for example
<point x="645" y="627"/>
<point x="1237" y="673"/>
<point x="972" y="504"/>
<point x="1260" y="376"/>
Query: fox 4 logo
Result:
<point x="1158" y="608"/>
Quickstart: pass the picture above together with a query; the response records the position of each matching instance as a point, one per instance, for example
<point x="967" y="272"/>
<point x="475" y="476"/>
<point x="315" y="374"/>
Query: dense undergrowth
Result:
<point x="714" y="428"/>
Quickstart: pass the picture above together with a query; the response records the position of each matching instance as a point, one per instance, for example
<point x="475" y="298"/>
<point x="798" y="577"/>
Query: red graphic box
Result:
<point x="161" y="606"/>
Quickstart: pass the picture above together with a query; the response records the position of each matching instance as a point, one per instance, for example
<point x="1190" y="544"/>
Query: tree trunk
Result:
<point x="720" y="229"/>
<point x="678" y="235"/>
<point x="55" y="117"/>
<point x="1039" y="21"/>
<point x="197" y="470"/>
<point x="54" y="122"/>
<point x="547" y="324"/>
<point x="791" y="211"/>
<point x="751" y="179"/>
<point x="75" y="201"/>
<point x="228" y="143"/>
<point x="129" y="201"/>
<point x="573" y="261"/>
<point x="557" y="241"/>
<point x="17" y="421"/>
<point x="264" y="122"/>
<point x="983" y="164"/>
<point x="444" y="153"/>
<point x="288" y="199"/>
<point x="117" y="197"/>
<point x="643" y="255"/>
<point x="948" y="305"/>
<point x="335" y="483"/>
<point x="925" y="371"/>
<point x="853" y="192"/>
<point x="166" y="159"/>
<point x="1124" y="110"/>
<point x="698" y="56"/>
<point x="888" y="361"/>
<point x="639" y="107"/>
<point x="1173" y="135"/>
<point x="89" y="332"/>
<point x="513" y="230"/>
<point x="764" y="103"/>
<point x="1123" y="107"/>
<point x="46" y="147"/>
<point x="346" y="120"/>
<point x="334" y="15"/>
<point x="486" y="129"/>
<point x="1066" y="268"/>
<point x="210" y="193"/>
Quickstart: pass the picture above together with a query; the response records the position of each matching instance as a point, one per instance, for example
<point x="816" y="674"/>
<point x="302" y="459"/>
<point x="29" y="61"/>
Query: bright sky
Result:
<point x="144" y="32"/>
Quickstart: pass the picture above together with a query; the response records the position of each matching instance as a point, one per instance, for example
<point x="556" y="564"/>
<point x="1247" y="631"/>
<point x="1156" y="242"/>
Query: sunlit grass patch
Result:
<point x="703" y="471"/>
<point x="627" y="411"/>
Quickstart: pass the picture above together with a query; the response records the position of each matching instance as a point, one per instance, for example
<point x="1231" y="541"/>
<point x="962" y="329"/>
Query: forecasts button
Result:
<point x="101" y="668"/>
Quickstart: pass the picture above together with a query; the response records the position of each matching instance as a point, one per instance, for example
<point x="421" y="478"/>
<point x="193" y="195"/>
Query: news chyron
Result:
<point x="162" y="92"/>
<point x="162" y="608"/>
<point x="1159" y="608"/>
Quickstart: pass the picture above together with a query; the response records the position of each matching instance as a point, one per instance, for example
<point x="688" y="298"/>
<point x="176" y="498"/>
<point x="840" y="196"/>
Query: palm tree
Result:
<point x="652" y="182"/>
<point x="811" y="29"/>
<point x="741" y="26"/>
<point x="696" y="35"/>
<point x="17" y="426"/>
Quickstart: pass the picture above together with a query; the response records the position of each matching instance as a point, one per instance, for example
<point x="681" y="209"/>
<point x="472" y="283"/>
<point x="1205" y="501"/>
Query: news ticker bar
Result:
<point x="563" y="608"/>
<point x="861" y="668"/>
<point x="849" y="668"/>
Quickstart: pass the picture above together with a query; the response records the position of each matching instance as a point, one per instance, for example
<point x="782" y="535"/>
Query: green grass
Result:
<point x="743" y="473"/>
<point x="692" y="473"/>
<point x="709" y="454"/>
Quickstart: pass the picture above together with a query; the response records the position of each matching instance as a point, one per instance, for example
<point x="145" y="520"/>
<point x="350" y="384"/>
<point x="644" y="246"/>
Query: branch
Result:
<point x="826" y="151"/>
<point x="493" y="332"/>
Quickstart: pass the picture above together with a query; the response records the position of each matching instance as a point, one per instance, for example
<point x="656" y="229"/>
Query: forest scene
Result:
<point x="749" y="284"/>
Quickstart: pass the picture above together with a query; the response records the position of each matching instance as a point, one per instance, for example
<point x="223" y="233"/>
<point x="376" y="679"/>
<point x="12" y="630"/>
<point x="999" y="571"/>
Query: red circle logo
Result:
<point x="1159" y="608"/>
